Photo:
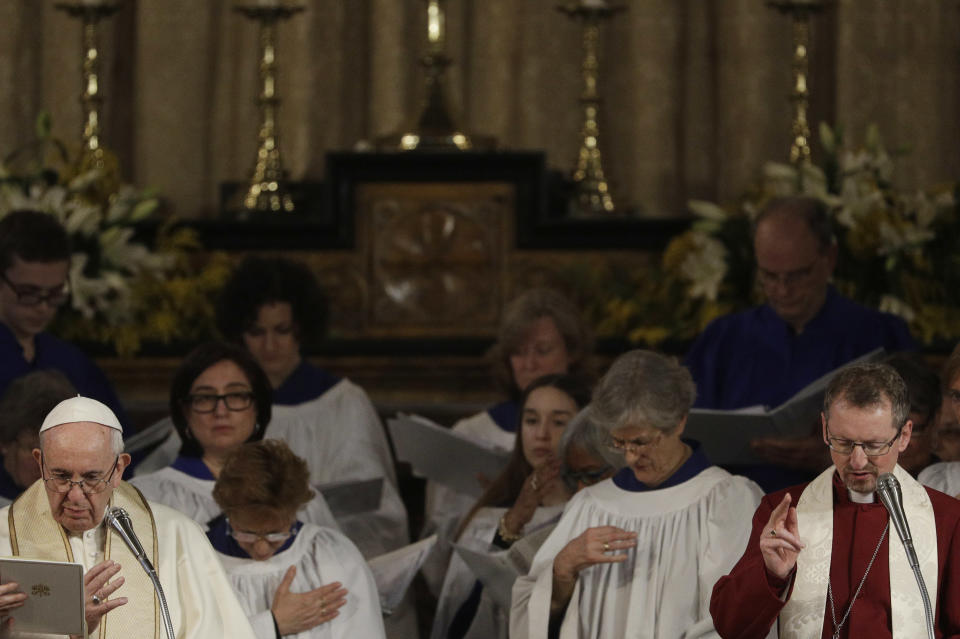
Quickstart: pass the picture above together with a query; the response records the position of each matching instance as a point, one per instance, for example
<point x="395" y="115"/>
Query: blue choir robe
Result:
<point x="52" y="352"/>
<point x="755" y="358"/>
<point x="305" y="383"/>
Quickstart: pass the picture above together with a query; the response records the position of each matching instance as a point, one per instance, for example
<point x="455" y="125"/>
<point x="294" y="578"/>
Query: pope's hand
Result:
<point x="780" y="540"/>
<point x="98" y="588"/>
<point x="297" y="612"/>
<point x="10" y="598"/>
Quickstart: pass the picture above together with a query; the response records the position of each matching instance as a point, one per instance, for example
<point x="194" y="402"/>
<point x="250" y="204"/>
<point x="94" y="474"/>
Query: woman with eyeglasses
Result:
<point x="638" y="554"/>
<point x="219" y="400"/>
<point x="293" y="578"/>
<point x="528" y="493"/>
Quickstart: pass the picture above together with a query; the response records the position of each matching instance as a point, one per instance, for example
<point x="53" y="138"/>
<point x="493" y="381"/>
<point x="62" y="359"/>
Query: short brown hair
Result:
<point x="951" y="368"/>
<point x="264" y="476"/>
<point x="869" y="386"/>
<point x="520" y="314"/>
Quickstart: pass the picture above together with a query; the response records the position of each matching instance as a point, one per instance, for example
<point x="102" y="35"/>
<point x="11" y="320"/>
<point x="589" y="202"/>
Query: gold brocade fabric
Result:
<point x="35" y="534"/>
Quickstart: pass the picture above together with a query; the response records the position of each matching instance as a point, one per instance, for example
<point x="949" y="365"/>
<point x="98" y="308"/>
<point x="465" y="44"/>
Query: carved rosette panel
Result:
<point x="436" y="256"/>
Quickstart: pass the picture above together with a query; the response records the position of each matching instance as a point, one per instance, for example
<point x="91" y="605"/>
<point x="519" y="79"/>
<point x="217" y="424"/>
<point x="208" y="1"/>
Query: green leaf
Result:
<point x="44" y="125"/>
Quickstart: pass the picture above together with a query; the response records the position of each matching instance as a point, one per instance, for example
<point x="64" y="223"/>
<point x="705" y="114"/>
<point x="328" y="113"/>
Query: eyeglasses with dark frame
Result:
<point x="245" y="537"/>
<point x="34" y="296"/>
<point x="89" y="486"/>
<point x="207" y="402"/>
<point x="870" y="449"/>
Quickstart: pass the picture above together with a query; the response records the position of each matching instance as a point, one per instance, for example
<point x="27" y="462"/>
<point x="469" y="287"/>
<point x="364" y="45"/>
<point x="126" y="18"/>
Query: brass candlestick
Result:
<point x="800" y="11"/>
<point x="267" y="190"/>
<point x="92" y="155"/>
<point x="435" y="128"/>
<point x="593" y="197"/>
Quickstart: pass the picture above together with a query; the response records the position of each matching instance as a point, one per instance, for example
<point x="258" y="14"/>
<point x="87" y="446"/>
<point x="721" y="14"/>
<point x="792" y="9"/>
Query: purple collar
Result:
<point x="696" y="464"/>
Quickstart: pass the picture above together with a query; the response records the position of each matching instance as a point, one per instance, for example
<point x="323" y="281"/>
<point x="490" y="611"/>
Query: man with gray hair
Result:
<point x="821" y="561"/>
<point x="60" y="517"/>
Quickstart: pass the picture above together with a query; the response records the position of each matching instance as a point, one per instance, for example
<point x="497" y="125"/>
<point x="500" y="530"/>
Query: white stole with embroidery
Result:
<point x="803" y="616"/>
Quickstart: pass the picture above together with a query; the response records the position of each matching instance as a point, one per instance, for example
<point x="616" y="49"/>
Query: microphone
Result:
<point x="888" y="489"/>
<point x="118" y="519"/>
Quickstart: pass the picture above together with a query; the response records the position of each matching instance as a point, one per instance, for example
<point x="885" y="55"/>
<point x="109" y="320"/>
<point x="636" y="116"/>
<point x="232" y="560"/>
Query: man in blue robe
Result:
<point x="34" y="265"/>
<point x="764" y="355"/>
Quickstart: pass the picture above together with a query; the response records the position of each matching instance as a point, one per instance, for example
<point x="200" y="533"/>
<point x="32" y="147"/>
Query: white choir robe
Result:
<point x="340" y="436"/>
<point x="322" y="556"/>
<point x="445" y="508"/>
<point x="202" y="604"/>
<point x="943" y="476"/>
<point x="193" y="497"/>
<point x="688" y="536"/>
<point x="459" y="579"/>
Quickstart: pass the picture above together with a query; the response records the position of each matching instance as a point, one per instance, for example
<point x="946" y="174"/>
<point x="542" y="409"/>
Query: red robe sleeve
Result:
<point x="745" y="604"/>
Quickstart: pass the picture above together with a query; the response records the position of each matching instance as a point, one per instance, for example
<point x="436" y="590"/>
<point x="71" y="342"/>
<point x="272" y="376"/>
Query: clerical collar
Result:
<point x="506" y="415"/>
<point x="193" y="466"/>
<point x="695" y="464"/>
<point x="222" y="542"/>
<point x="861" y="498"/>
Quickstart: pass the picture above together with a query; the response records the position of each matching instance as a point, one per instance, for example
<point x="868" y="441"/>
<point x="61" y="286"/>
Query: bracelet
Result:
<point x="505" y="534"/>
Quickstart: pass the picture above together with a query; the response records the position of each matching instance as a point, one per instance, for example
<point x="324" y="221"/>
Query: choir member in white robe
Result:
<point x="219" y="398"/>
<point x="273" y="307"/>
<point x="79" y="440"/>
<point x="638" y="554"/>
<point x="587" y="459"/>
<point x="293" y="579"/>
<point x="541" y="332"/>
<point x="528" y="493"/>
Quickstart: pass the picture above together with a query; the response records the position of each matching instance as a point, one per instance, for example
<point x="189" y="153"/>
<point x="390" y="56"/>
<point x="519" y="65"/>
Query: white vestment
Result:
<point x="444" y="507"/>
<point x="943" y="476"/>
<point x="194" y="497"/>
<point x="201" y="602"/>
<point x="459" y="580"/>
<point x="322" y="556"/>
<point x="340" y="436"/>
<point x="688" y="536"/>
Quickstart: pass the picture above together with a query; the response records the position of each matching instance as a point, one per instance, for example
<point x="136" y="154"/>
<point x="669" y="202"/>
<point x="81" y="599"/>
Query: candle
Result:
<point x="594" y="4"/>
<point x="435" y="24"/>
<point x="268" y="3"/>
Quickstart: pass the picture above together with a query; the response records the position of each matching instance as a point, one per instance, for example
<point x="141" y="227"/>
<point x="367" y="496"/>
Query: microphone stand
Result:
<point x="119" y="520"/>
<point x="888" y="489"/>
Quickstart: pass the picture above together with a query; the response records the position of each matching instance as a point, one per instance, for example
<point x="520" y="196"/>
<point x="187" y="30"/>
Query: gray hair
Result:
<point x="116" y="440"/>
<point x="643" y="388"/>
<point x="869" y="386"/>
<point x="582" y="432"/>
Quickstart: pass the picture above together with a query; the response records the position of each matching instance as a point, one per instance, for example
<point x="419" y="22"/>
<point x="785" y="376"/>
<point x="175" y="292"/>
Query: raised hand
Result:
<point x="97" y="589"/>
<point x="780" y="539"/>
<point x="543" y="481"/>
<point x="297" y="612"/>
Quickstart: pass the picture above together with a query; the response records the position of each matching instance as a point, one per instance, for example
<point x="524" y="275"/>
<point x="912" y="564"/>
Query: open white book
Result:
<point x="353" y="496"/>
<point x="726" y="434"/>
<point x="54" y="592"/>
<point x="394" y="571"/>
<point x="443" y="455"/>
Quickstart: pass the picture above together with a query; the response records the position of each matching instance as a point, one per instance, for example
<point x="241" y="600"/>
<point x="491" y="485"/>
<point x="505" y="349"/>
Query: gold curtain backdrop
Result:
<point x="694" y="90"/>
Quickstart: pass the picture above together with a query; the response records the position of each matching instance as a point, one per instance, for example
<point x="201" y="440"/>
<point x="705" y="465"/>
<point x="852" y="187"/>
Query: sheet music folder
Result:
<point x="726" y="434"/>
<point x="54" y="592"/>
<point x="443" y="455"/>
<point x="353" y="496"/>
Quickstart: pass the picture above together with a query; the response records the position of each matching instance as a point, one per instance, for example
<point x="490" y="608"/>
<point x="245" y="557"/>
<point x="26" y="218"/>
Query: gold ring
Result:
<point x="97" y="600"/>
<point x="773" y="532"/>
<point x="606" y="547"/>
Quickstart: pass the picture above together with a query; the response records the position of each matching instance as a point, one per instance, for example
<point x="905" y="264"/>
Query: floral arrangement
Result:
<point x="897" y="251"/>
<point x="123" y="292"/>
